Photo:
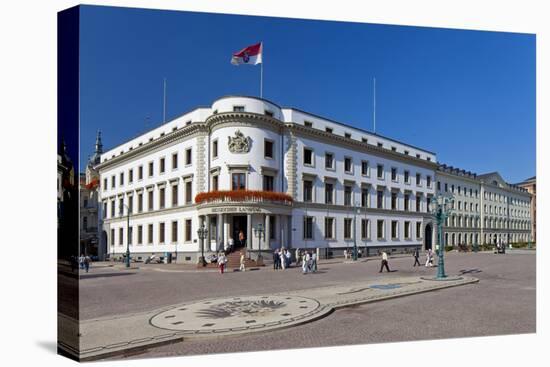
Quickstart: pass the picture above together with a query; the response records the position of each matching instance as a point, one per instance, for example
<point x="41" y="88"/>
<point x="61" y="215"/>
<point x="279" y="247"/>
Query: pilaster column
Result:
<point x="208" y="242"/>
<point x="249" y="231"/>
<point x="267" y="232"/>
<point x="219" y="232"/>
<point x="225" y="230"/>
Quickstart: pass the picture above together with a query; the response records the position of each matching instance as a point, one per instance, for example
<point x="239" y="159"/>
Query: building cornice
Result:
<point x="356" y="145"/>
<point x="243" y="119"/>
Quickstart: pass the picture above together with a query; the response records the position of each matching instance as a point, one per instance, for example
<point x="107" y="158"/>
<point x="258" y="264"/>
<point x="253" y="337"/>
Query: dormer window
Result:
<point x="328" y="130"/>
<point x="364" y="140"/>
<point x="188" y="123"/>
<point x="308" y="124"/>
<point x="269" y="113"/>
<point x="380" y="145"/>
<point x="238" y="108"/>
<point x="347" y="135"/>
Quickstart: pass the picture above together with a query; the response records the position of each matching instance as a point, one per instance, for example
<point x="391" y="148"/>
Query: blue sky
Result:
<point x="468" y="96"/>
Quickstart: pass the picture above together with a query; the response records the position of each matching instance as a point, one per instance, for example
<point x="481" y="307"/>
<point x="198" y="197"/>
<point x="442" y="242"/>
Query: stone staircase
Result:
<point x="234" y="261"/>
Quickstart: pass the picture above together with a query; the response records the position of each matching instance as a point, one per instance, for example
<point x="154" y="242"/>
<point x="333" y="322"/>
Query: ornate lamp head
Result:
<point x="441" y="203"/>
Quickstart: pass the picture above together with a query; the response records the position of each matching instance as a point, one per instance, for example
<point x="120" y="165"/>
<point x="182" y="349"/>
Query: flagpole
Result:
<point x="262" y="71"/>
<point x="374" y="109"/>
<point x="164" y="103"/>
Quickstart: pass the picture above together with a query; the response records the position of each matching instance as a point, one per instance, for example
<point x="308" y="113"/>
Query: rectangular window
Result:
<point x="121" y="207"/>
<point x="308" y="156"/>
<point x="150" y="200"/>
<point x="112" y="237"/>
<point x="394" y="174"/>
<point x="268" y="113"/>
<point x="140" y="202"/>
<point x="175" y="161"/>
<point x="446" y="187"/>
<point x="175" y="231"/>
<point x="364" y="198"/>
<point x="308" y="124"/>
<point x="394" y="201"/>
<point x="238" y="181"/>
<point x="140" y="235"/>
<point x="308" y="228"/>
<point x="418" y="202"/>
<point x="215" y="149"/>
<point x="130" y="176"/>
<point x="418" y="179"/>
<point x="365" y="168"/>
<point x="329" y="228"/>
<point x="347" y="228"/>
<point x="268" y="183"/>
<point x="407" y="199"/>
<point x="131" y="204"/>
<point x="105" y="184"/>
<point x="121" y="181"/>
<point x="418" y="229"/>
<point x="238" y="108"/>
<point x="140" y="172"/>
<point x="394" y="229"/>
<point x="438" y="185"/>
<point x="308" y="191"/>
<point x="428" y="202"/>
<point x="162" y="197"/>
<point x="188" y="192"/>
<point x="161" y="165"/>
<point x="174" y="195"/>
<point x="151" y="169"/>
<point x="188" y="157"/>
<point x="380" y="171"/>
<point x="406" y="177"/>
<point x="112" y="208"/>
<point x="365" y="229"/>
<point x="329" y="161"/>
<point x="329" y="190"/>
<point x="347" y="195"/>
<point x="215" y="180"/>
<point x="113" y="183"/>
<point x="328" y="130"/>
<point x="120" y="236"/>
<point x="380" y="229"/>
<point x="150" y="234"/>
<point x="348" y="167"/>
<point x="380" y="199"/>
<point x="428" y="181"/>
<point x="188" y="229"/>
<point x="407" y="230"/>
<point x="268" y="149"/>
<point x="161" y="232"/>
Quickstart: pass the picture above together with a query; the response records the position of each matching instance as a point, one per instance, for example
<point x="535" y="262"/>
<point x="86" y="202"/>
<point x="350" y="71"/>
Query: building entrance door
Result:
<point x="428" y="237"/>
<point x="239" y="231"/>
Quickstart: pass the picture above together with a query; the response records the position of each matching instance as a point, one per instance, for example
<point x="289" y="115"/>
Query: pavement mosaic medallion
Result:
<point x="237" y="313"/>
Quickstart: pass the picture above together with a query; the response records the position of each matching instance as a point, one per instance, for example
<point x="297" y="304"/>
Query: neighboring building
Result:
<point x="486" y="208"/>
<point x="90" y="210"/>
<point x="531" y="186"/>
<point x="245" y="162"/>
<point x="67" y="203"/>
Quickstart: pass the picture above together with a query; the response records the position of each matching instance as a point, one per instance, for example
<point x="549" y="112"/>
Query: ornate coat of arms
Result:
<point x="239" y="143"/>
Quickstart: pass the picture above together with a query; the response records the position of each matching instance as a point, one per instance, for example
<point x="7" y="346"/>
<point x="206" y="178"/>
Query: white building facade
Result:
<point x="309" y="181"/>
<point x="487" y="210"/>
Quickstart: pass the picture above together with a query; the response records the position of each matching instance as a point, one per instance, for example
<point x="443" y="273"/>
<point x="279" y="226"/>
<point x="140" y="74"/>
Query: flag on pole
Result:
<point x="251" y="55"/>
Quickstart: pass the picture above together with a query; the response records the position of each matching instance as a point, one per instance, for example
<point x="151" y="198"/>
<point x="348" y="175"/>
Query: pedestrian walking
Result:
<point x="429" y="261"/>
<point x="305" y="260"/>
<point x="241" y="268"/>
<point x="81" y="261"/>
<point x="222" y="260"/>
<point x="384" y="262"/>
<point x="416" y="254"/>
<point x="87" y="263"/>
<point x="276" y="259"/>
<point x="345" y="254"/>
<point x="231" y="244"/>
<point x="241" y="239"/>
<point x="288" y="256"/>
<point x="314" y="262"/>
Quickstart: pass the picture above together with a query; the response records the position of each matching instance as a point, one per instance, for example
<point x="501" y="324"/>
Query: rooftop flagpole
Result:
<point x="164" y="103"/>
<point x="262" y="70"/>
<point x="374" y="103"/>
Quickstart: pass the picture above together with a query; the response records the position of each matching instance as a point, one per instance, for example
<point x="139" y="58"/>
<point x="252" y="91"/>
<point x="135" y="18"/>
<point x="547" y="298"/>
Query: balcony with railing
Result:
<point x="243" y="196"/>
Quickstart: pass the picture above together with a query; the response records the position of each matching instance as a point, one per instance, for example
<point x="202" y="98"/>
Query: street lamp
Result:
<point x="202" y="232"/>
<point x="259" y="232"/>
<point x="441" y="207"/>
<point x="127" y="260"/>
<point x="356" y="211"/>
